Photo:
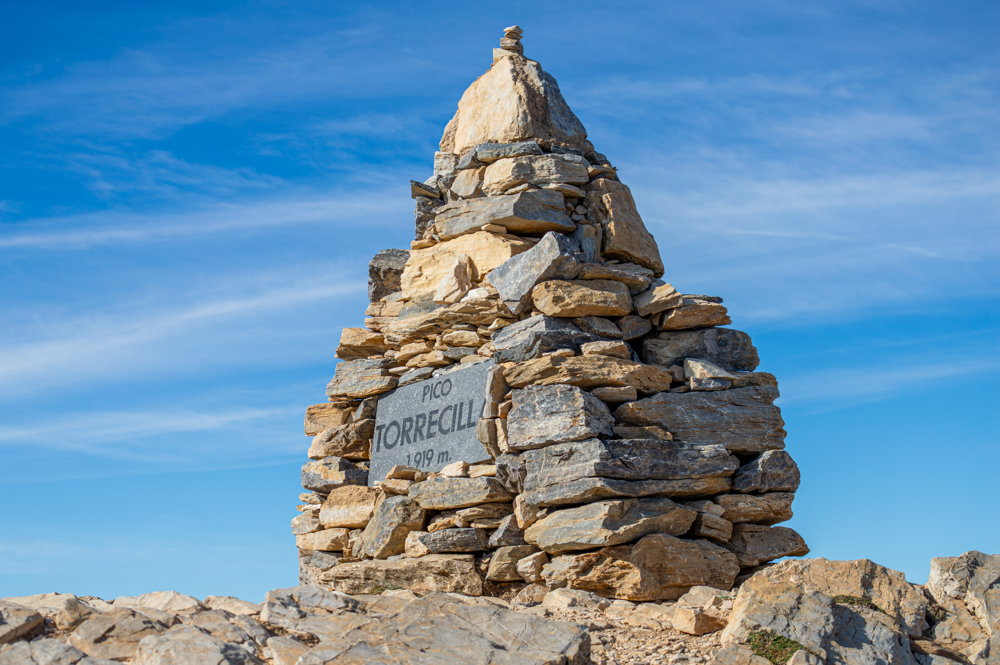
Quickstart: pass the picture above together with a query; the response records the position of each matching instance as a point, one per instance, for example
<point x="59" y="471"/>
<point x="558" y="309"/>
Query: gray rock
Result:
<point x="283" y="607"/>
<point x="625" y="459"/>
<point x="598" y="325"/>
<point x="114" y="635"/>
<point x="46" y="651"/>
<point x="361" y="378"/>
<point x="327" y="474"/>
<point x="507" y="534"/>
<point x="766" y="509"/>
<point x="589" y="238"/>
<point x="188" y="645"/>
<point x="503" y="565"/>
<point x="774" y="471"/>
<point x="491" y="152"/>
<point x="553" y="257"/>
<point x="624" y="235"/>
<point x="454" y="540"/>
<point x="17" y="621"/>
<point x="636" y="278"/>
<point x="712" y="527"/>
<point x="423" y="215"/>
<point x="633" y="327"/>
<point x="608" y="523"/>
<point x="445" y="573"/>
<point x="593" y="489"/>
<point x="756" y="544"/>
<point x="424" y="189"/>
<point x="543" y="415"/>
<point x="974" y="579"/>
<point x="536" y="336"/>
<point x="510" y="472"/>
<point x="384" y="272"/>
<point x="227" y="627"/>
<point x="533" y="212"/>
<point x="658" y="567"/>
<point x="744" y="420"/>
<point x="729" y="349"/>
<point x="385" y="535"/>
<point x="449" y="493"/>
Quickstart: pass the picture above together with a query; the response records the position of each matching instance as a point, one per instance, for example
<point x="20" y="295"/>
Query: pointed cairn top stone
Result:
<point x="512" y="39"/>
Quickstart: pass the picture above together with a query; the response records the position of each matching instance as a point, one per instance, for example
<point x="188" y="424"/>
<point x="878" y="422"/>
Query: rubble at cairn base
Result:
<point x="626" y="447"/>
<point x="807" y="611"/>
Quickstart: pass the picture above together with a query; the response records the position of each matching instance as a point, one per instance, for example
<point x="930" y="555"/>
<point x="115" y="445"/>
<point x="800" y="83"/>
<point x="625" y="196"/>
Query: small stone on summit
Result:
<point x="516" y="29"/>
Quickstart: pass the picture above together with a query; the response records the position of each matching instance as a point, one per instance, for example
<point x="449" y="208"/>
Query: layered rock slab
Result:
<point x="554" y="257"/>
<point x="537" y="335"/>
<point x="525" y="213"/>
<point x="588" y="372"/>
<point x="543" y="415"/>
<point x="731" y="350"/>
<point x="447" y="573"/>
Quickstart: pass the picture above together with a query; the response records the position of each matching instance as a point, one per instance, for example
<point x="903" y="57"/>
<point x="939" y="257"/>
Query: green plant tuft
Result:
<point x="774" y="647"/>
<point x="857" y="602"/>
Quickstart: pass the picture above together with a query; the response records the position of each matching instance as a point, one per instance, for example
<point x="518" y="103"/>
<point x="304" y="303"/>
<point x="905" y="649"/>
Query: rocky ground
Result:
<point x="799" y="612"/>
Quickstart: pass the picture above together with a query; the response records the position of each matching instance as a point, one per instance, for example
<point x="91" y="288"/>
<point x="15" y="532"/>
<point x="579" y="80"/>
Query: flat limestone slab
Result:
<point x="588" y="372"/>
<point x="528" y="212"/>
<point x="447" y="573"/>
<point x="593" y="489"/>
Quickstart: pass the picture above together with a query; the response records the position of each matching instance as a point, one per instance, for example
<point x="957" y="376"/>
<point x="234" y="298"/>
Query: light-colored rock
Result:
<point x="468" y="184"/>
<point x="543" y="415"/>
<point x="712" y="527"/>
<point x="187" y="645"/>
<point x="232" y="605"/>
<point x="351" y="441"/>
<point x="350" y="506"/>
<point x="598" y="325"/>
<point x="695" y="621"/>
<point x="503" y="564"/>
<point x="327" y="540"/>
<point x="535" y="336"/>
<point x="608" y="523"/>
<point x="514" y="101"/>
<point x="459" y="469"/>
<point x="46" y="651"/>
<point x="774" y="471"/>
<point x="385" y="535"/>
<point x="329" y="414"/>
<point x="695" y="312"/>
<point x="699" y="596"/>
<point x="650" y="615"/>
<point x="169" y="601"/>
<point x="625" y="236"/>
<point x="594" y="489"/>
<point x="636" y="278"/>
<point x="450" y="493"/>
<point x="402" y="472"/>
<point x="537" y="170"/>
<point x="744" y="420"/>
<point x="114" y="635"/>
<point x="530" y="567"/>
<point x="361" y="378"/>
<point x="574" y="298"/>
<point x="65" y="610"/>
<point x="456" y="281"/>
<point x="306" y="523"/>
<point x="731" y="350"/>
<point x="657" y="298"/>
<point x="766" y="509"/>
<point x="554" y="257"/>
<point x="658" y="567"/>
<point x="612" y="349"/>
<point x="426" y="267"/>
<point x="756" y="544"/>
<point x="508" y="533"/>
<point x="974" y="579"/>
<point x="702" y="369"/>
<point x="589" y="372"/>
<point x="285" y="650"/>
<point x="447" y="573"/>
<point x="565" y="599"/>
<point x="330" y="473"/>
<point x="16" y="621"/>
<point x="358" y="343"/>
<point x="446" y="541"/>
<point x="616" y="395"/>
<point x="482" y="470"/>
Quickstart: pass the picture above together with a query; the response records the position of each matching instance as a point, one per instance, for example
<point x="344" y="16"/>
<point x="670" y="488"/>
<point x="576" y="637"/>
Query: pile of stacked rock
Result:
<point x="628" y="446"/>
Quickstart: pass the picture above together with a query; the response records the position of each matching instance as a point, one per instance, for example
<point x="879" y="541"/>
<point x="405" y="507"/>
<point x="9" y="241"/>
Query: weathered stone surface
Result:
<point x="607" y="348"/>
<point x="617" y="395"/>
<point x="695" y="312"/>
<point x="327" y="540"/>
<point x="608" y="523"/>
<point x="588" y="372"/>
<point x="456" y="281"/>
<point x="232" y="605"/>
<point x="530" y="567"/>
<point x="774" y="471"/>
<point x="598" y="325"/>
<point x="624" y="459"/>
<point x="553" y="257"/>
<point x="350" y="506"/>
<point x="352" y="441"/>
<point x="636" y="278"/>
<point x="478" y="312"/>
<point x="696" y="621"/>
<point x="361" y="378"/>
<point x="384" y="272"/>
<point x="702" y="369"/>
<point x="426" y="267"/>
<point x="114" y="635"/>
<point x="527" y="213"/>
<point x="974" y="579"/>
<point x="658" y="567"/>
<point x="729" y="349"/>
<point x="543" y="415"/>
<point x="589" y="237"/>
<point x="633" y="327"/>
<point x="468" y="183"/>
<point x="503" y="564"/>
<point x="46" y="651"/>
<point x="834" y="632"/>
<point x="65" y="610"/>
<point x="507" y="534"/>
<point x="188" y="645"/>
<point x="625" y="236"/>
<point x="452" y="540"/>
<point x="447" y="573"/>
<point x="744" y="420"/>
<point x="491" y="152"/>
<point x="17" y="621"/>
<point x="712" y="527"/>
<point x="327" y="474"/>
<point x="590" y="297"/>
<point x="536" y="170"/>
<point x="449" y="493"/>
<point x="593" y="489"/>
<point x="641" y="432"/>
<point x="536" y="336"/>
<point x="424" y="189"/>
<point x="514" y="101"/>
<point x="385" y="535"/>
<point x="423" y="216"/>
<point x="358" y="343"/>
<point x="329" y="414"/>
<point x="766" y="509"/>
<point x="511" y="470"/>
<point x="657" y="298"/>
<point x="163" y="601"/>
<point x="755" y="544"/>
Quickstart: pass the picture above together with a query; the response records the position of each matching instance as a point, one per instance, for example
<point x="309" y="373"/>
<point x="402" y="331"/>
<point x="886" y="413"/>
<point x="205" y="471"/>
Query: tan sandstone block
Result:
<point x="575" y="298"/>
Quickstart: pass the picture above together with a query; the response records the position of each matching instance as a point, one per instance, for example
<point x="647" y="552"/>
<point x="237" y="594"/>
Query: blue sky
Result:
<point x="190" y="193"/>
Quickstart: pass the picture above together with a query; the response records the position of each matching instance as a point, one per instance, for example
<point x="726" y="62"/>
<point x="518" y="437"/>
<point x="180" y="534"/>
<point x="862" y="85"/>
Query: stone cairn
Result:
<point x="628" y="446"/>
